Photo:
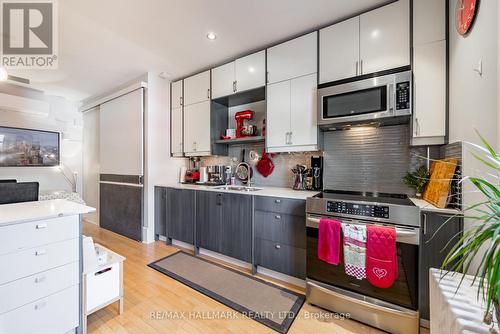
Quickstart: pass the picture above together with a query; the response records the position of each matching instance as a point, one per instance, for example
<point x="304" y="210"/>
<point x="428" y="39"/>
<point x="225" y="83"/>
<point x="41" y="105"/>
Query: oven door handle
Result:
<point x="403" y="235"/>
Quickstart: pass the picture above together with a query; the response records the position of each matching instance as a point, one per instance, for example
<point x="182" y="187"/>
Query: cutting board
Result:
<point x="442" y="172"/>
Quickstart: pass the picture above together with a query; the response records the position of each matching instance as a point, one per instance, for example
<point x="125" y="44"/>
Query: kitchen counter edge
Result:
<point x="428" y="207"/>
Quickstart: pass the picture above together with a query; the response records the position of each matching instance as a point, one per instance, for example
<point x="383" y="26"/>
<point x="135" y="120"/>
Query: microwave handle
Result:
<point x="392" y="98"/>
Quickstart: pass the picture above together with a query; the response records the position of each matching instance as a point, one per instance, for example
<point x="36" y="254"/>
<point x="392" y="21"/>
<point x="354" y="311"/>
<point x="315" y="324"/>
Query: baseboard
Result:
<point x="282" y="277"/>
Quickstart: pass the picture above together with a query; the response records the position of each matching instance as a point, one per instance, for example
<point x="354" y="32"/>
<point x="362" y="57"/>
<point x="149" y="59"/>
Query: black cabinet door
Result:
<point x="160" y="211"/>
<point x="236" y="239"/>
<point x="180" y="215"/>
<point x="436" y="232"/>
<point x="209" y="220"/>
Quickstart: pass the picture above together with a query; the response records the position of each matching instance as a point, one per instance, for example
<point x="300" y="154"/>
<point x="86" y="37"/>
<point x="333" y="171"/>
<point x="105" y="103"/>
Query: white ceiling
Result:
<point x="103" y="44"/>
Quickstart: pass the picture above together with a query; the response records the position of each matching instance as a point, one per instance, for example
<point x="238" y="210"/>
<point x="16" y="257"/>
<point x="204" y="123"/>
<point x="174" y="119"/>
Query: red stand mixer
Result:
<point x="242" y="130"/>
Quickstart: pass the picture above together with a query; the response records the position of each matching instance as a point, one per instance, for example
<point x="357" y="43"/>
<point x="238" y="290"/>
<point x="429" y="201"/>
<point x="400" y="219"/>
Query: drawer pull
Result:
<point x="277" y="201"/>
<point x="278" y="217"/>
<point x="41" y="226"/>
<point x="277" y="246"/>
<point x="40" y="279"/>
<point x="100" y="272"/>
<point x="41" y="305"/>
<point x="40" y="252"/>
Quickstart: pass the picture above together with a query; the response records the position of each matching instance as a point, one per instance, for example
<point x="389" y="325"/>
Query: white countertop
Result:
<point x="426" y="206"/>
<point x="265" y="191"/>
<point x="28" y="211"/>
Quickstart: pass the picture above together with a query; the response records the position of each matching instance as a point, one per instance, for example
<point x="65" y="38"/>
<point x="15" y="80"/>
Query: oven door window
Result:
<point x="360" y="102"/>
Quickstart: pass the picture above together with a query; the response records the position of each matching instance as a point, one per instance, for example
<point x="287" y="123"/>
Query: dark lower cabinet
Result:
<point x="224" y="223"/>
<point x="180" y="215"/>
<point x="436" y="232"/>
<point x="160" y="211"/>
<point x="280" y="235"/>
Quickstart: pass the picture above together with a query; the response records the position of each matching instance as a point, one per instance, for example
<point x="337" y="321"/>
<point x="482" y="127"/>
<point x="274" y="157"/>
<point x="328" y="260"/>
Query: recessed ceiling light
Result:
<point x="211" y="36"/>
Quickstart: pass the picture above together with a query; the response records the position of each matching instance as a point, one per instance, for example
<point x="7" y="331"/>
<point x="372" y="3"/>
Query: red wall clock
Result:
<point x="465" y="12"/>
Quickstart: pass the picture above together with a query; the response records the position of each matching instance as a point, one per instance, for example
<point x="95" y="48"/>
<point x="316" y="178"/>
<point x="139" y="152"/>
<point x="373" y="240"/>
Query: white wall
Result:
<point x="90" y="175"/>
<point x="474" y="103"/>
<point x="160" y="167"/>
<point x="63" y="117"/>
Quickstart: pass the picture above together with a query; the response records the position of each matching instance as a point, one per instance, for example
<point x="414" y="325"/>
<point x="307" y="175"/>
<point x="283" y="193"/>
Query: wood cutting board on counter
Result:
<point x="442" y="172"/>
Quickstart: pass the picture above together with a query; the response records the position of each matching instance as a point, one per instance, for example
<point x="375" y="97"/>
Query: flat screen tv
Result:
<point x="28" y="147"/>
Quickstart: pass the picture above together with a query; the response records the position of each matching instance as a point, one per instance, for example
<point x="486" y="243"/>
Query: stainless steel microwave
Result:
<point x="375" y="99"/>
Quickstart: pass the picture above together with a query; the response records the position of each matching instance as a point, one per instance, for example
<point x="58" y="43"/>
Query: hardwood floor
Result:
<point x="151" y="299"/>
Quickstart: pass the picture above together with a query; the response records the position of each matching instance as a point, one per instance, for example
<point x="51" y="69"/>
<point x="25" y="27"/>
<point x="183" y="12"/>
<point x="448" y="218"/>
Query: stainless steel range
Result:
<point x="394" y="309"/>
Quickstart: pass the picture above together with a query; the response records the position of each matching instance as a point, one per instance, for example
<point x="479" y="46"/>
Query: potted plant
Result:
<point x="485" y="234"/>
<point x="417" y="180"/>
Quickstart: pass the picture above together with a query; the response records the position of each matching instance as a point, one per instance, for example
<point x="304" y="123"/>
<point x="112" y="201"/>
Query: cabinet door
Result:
<point x="176" y="132"/>
<point x="208" y="220"/>
<point x="293" y="59"/>
<point x="385" y="37"/>
<point x="223" y="80"/>
<point x="429" y="90"/>
<point x="237" y="226"/>
<point x="304" y="130"/>
<point x="180" y="212"/>
<point x="197" y="88"/>
<point x="251" y="71"/>
<point x="176" y="97"/>
<point x="429" y="21"/>
<point x="197" y="129"/>
<point x="278" y="114"/>
<point x="339" y="51"/>
<point x="435" y="246"/>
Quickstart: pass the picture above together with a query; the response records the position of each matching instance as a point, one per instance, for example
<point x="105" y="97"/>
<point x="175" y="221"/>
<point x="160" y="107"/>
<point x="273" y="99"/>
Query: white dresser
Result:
<point x="40" y="267"/>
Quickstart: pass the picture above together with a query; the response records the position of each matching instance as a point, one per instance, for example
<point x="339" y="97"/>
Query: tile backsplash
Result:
<point x="282" y="175"/>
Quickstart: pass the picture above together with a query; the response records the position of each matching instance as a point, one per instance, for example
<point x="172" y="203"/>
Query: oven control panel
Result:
<point x="366" y="210"/>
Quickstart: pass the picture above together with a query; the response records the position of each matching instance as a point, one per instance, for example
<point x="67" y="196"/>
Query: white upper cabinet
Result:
<point x="303" y="112"/>
<point x="429" y="23"/>
<point x="385" y="37"/>
<point x="278" y="115"/>
<point x="429" y="116"/>
<point x="197" y="129"/>
<point x="250" y="71"/>
<point x="339" y="51"/>
<point x="292" y="59"/>
<point x="197" y="88"/>
<point x="243" y="74"/>
<point x="176" y="132"/>
<point x="223" y="80"/>
<point x="176" y="97"/>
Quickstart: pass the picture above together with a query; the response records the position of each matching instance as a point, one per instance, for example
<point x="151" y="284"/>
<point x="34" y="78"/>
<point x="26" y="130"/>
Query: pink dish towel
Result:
<point x="329" y="240"/>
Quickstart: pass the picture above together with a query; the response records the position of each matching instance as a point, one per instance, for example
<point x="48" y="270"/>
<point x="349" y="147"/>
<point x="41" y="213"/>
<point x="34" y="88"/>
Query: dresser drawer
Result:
<point x="281" y="228"/>
<point x="281" y="258"/>
<point x="36" y="233"/>
<point x="55" y="314"/>
<point x="26" y="290"/>
<point x="35" y="260"/>
<point x="280" y="205"/>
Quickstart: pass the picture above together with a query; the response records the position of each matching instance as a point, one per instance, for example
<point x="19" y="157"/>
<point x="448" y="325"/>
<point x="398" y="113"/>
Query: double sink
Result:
<point x="237" y="188"/>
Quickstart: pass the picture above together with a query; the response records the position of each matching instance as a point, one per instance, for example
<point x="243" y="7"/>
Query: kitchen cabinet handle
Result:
<point x="277" y="246"/>
<point x="40" y="252"/>
<point x="208" y="93"/>
<point x="290" y="136"/>
<point x="277" y="217"/>
<point x="41" y="226"/>
<point x="277" y="201"/>
<point x="39" y="306"/>
<point x="267" y="77"/>
<point x="417" y="127"/>
<point x="425" y="223"/>
<point x="357" y="67"/>
<point x="235" y="86"/>
<point x="40" y="279"/>
<point x="219" y="199"/>
<point x="181" y="100"/>
<point x="361" y="66"/>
